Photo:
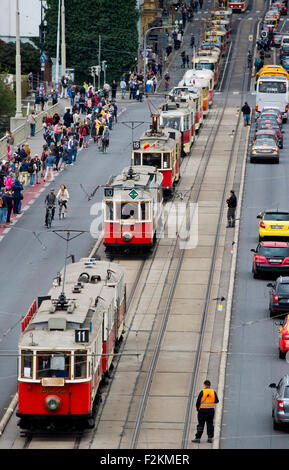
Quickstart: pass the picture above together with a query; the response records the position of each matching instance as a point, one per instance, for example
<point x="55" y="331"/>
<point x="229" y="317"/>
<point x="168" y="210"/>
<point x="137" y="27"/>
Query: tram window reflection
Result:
<point x="137" y="158"/>
<point x="152" y="159"/>
<point x="80" y="359"/>
<point x="166" y="160"/>
<point x="127" y="210"/>
<point x="109" y="211"/>
<point x="173" y="122"/>
<point x="27" y="364"/>
<point x="53" y="365"/>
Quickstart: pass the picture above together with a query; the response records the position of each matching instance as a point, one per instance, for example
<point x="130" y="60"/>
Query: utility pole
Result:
<point x="99" y="56"/>
<point x="57" y="48"/>
<point x="63" y="44"/>
<point x="18" y="64"/>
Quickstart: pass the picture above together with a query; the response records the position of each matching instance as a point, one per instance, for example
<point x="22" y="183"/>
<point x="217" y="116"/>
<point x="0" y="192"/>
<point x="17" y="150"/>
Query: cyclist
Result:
<point x="50" y="201"/>
<point x="62" y="197"/>
<point x="249" y="57"/>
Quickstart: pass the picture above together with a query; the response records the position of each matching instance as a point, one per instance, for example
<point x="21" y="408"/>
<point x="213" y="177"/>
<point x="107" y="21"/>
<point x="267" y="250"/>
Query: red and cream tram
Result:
<point x="132" y="206"/>
<point x="238" y="6"/>
<point x="208" y="62"/>
<point x="203" y="74"/>
<point x="160" y="147"/>
<point x="194" y="98"/>
<point x="177" y="115"/>
<point x="224" y="13"/>
<point x="67" y="345"/>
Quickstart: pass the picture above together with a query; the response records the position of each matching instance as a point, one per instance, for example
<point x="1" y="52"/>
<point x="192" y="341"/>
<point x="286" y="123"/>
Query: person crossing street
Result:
<point x="205" y="405"/>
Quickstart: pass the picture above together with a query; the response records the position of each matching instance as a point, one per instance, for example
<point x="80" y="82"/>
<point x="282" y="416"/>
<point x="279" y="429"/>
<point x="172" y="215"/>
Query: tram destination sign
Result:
<point x="136" y="145"/>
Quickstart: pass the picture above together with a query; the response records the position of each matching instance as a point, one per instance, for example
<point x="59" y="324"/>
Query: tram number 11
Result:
<point x="81" y="336"/>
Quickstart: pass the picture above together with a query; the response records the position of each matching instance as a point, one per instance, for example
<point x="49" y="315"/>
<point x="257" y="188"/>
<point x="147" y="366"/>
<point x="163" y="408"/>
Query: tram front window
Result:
<point x="152" y="159"/>
<point x="166" y="160"/>
<point x="204" y="66"/>
<point x="136" y="158"/>
<point x="173" y="122"/>
<point x="80" y="359"/>
<point x="27" y="364"/>
<point x="109" y="211"/>
<point x="127" y="210"/>
<point x="53" y="364"/>
<point x="145" y="211"/>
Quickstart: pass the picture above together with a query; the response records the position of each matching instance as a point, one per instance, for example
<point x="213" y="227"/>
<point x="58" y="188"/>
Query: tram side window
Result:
<point x="137" y="158"/>
<point x="27" y="364"/>
<point x="145" y="211"/>
<point x="109" y="211"/>
<point x="166" y="160"/>
<point x="152" y="159"/>
<point x="80" y="359"/>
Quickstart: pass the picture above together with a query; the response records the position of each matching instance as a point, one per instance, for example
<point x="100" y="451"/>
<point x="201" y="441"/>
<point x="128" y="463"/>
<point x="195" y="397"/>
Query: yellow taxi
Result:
<point x="272" y="70"/>
<point x="274" y="223"/>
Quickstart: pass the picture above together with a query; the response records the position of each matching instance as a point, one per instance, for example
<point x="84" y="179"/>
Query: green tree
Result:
<point x="7" y="106"/>
<point x="116" y="22"/>
<point x="30" y="58"/>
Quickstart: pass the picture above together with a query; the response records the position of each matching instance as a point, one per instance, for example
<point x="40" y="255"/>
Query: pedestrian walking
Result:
<point x="246" y="110"/>
<point x="205" y="405"/>
<point x="201" y="4"/>
<point x="122" y="88"/>
<point x="232" y="204"/>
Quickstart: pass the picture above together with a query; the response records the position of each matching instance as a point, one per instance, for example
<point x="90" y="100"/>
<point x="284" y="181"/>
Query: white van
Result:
<point x="272" y="92"/>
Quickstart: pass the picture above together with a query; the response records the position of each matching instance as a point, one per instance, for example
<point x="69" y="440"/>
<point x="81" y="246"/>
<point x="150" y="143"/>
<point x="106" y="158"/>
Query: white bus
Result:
<point x="272" y="92"/>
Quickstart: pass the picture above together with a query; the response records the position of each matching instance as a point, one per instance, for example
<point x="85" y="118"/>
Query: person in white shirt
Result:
<point x="63" y="196"/>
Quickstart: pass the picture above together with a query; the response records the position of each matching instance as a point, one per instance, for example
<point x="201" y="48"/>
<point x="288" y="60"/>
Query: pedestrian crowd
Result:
<point x="90" y="117"/>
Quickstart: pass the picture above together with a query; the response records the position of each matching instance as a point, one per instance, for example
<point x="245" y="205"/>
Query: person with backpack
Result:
<point x="17" y="196"/>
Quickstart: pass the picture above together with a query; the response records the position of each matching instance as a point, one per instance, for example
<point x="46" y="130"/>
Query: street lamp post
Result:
<point x="145" y="45"/>
<point x="63" y="44"/>
<point x="18" y="64"/>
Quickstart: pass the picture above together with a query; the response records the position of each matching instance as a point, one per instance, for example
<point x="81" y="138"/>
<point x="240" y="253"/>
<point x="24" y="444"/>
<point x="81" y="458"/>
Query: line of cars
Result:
<point x="271" y="256"/>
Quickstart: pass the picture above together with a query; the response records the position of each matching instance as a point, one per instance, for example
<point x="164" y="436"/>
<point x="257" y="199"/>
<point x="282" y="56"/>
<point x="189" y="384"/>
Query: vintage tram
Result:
<point x="67" y="344"/>
<point x="132" y="206"/>
<point x="178" y="115"/>
<point x="195" y="99"/>
<point x="160" y="147"/>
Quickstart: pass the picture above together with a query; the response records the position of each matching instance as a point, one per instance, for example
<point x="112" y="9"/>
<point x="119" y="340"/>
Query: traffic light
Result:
<point x="103" y="65"/>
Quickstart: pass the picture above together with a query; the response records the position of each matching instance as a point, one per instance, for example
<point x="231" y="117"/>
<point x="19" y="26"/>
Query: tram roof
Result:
<point x="142" y="178"/>
<point x="93" y="299"/>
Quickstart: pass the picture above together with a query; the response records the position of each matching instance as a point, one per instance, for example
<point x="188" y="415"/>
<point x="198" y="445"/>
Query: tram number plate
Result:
<point x="81" y="336"/>
<point x="108" y="192"/>
<point x="136" y="145"/>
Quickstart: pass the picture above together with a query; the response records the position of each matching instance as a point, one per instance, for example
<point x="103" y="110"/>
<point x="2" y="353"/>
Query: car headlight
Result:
<point x="52" y="403"/>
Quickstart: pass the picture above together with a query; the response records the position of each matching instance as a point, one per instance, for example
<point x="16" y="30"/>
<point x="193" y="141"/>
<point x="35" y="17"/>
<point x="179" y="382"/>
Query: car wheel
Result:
<point x="277" y="160"/>
<point x="252" y="160"/>
<point x="281" y="355"/>
<point x="255" y="275"/>
<point x="271" y="313"/>
<point x="276" y="426"/>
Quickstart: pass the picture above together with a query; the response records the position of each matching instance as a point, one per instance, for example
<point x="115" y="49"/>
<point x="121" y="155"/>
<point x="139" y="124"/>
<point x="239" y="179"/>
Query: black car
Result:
<point x="279" y="296"/>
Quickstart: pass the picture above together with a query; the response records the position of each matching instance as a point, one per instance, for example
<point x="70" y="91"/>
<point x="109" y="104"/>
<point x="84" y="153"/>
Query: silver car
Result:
<point x="264" y="147"/>
<point x="280" y="402"/>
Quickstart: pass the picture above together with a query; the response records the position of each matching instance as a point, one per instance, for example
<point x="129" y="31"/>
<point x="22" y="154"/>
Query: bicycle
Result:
<point x="62" y="209"/>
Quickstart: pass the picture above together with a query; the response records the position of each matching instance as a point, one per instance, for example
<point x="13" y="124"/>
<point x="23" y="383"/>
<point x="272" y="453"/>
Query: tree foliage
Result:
<point x="30" y="58"/>
<point x="116" y="22"/>
<point x="7" y="106"/>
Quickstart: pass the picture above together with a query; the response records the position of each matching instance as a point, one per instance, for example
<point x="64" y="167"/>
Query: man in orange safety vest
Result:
<point x="206" y="410"/>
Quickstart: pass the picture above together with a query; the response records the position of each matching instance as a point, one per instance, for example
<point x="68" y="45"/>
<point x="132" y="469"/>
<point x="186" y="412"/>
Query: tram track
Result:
<point x="194" y="193"/>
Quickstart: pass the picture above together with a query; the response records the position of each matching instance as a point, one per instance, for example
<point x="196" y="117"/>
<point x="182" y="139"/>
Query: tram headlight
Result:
<point x="52" y="403"/>
<point x="127" y="236"/>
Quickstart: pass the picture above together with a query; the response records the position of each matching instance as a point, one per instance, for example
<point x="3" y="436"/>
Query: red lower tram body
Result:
<point x="134" y="235"/>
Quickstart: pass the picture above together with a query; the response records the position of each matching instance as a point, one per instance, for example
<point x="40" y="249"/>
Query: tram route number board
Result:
<point x="81" y="336"/>
<point x="108" y="192"/>
<point x="136" y="145"/>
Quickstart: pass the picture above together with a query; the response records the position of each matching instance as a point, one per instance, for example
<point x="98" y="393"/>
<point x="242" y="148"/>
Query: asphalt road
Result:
<point x="29" y="264"/>
<point x="253" y="361"/>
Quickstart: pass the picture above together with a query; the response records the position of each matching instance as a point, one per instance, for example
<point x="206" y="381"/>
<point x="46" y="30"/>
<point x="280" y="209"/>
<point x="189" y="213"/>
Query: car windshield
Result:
<point x="274" y="251"/>
<point x="283" y="288"/>
<point x="276" y="216"/>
